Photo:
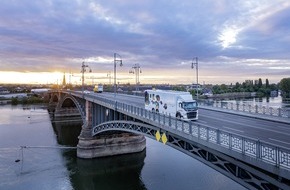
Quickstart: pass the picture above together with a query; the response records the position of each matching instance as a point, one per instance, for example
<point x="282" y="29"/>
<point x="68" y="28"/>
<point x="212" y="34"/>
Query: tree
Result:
<point x="216" y="89"/>
<point x="179" y="88"/>
<point x="285" y="86"/>
<point x="14" y="101"/>
<point x="267" y="83"/>
<point x="260" y="84"/>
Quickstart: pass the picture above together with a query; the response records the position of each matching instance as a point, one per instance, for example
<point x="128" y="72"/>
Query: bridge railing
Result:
<point x="254" y="148"/>
<point x="267" y="152"/>
<point x="249" y="108"/>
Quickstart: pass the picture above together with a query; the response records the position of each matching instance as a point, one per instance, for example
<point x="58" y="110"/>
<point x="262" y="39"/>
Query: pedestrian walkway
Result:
<point x="248" y="114"/>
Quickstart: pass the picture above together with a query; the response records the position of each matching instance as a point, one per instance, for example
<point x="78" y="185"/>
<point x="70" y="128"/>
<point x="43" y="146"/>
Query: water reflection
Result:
<point x="67" y="132"/>
<point x="275" y="102"/>
<point x="117" y="172"/>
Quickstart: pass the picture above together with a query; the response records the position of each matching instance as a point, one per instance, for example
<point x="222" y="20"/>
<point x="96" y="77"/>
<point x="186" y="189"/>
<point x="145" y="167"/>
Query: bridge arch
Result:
<point x="127" y="126"/>
<point x="54" y="98"/>
<point x="69" y="101"/>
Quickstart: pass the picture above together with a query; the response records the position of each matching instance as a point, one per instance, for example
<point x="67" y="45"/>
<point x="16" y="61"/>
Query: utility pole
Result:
<point x="109" y="75"/>
<point x="115" y="63"/>
<point x="83" y="74"/>
<point x="196" y="66"/>
<point x="136" y="69"/>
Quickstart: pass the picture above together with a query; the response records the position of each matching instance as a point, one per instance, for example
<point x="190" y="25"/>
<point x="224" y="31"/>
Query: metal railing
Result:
<point x="254" y="148"/>
<point x="249" y="108"/>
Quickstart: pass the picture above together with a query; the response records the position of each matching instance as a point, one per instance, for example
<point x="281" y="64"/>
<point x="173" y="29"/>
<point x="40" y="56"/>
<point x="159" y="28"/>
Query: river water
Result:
<point x="43" y="165"/>
<point x="274" y="102"/>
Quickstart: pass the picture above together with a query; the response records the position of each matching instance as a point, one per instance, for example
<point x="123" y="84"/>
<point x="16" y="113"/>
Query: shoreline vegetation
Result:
<point x="28" y="100"/>
<point x="23" y="100"/>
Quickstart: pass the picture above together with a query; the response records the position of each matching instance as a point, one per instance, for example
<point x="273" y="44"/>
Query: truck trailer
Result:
<point x="174" y="103"/>
<point x="99" y="88"/>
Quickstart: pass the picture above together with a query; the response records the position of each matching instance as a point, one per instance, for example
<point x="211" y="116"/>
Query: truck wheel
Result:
<point x="153" y="110"/>
<point x="178" y="115"/>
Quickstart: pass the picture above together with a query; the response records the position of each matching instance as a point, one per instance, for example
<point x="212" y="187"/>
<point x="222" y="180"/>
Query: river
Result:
<point x="274" y="102"/>
<point x="44" y="165"/>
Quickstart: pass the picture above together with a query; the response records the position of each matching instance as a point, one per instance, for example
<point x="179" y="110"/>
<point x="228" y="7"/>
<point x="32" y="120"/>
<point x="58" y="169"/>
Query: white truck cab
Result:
<point x="174" y="103"/>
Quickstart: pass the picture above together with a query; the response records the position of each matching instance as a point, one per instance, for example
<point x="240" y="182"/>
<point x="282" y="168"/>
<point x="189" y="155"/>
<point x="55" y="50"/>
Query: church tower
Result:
<point x="63" y="80"/>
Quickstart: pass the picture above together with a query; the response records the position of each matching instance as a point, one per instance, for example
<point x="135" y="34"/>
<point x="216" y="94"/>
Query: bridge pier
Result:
<point x="108" y="144"/>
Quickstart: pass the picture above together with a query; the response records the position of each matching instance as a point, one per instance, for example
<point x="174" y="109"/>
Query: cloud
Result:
<point x="230" y="37"/>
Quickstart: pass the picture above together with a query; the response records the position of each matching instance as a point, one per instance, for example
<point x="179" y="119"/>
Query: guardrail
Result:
<point x="270" y="153"/>
<point x="248" y="108"/>
<point x="254" y="148"/>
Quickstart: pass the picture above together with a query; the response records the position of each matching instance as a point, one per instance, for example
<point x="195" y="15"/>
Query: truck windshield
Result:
<point x="189" y="105"/>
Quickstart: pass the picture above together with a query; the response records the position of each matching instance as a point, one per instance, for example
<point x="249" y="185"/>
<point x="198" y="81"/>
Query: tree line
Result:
<point x="285" y="87"/>
<point x="258" y="86"/>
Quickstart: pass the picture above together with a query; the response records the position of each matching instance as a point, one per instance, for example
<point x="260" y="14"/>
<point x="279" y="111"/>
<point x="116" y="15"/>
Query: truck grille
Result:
<point x="191" y="115"/>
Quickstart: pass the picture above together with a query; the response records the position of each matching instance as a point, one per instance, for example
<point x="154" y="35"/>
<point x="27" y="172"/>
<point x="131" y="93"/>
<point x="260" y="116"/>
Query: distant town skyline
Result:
<point x="233" y="40"/>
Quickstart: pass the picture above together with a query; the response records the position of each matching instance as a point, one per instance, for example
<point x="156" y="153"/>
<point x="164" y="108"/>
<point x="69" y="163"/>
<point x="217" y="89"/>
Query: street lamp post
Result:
<point x="115" y="62"/>
<point x="109" y="75"/>
<point x="83" y="74"/>
<point x="196" y="66"/>
<point x="136" y="69"/>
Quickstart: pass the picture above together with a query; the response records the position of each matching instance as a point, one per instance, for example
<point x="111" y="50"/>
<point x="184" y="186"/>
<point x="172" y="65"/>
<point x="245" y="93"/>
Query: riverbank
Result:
<point x="21" y="98"/>
<point x="4" y="102"/>
<point x="233" y="95"/>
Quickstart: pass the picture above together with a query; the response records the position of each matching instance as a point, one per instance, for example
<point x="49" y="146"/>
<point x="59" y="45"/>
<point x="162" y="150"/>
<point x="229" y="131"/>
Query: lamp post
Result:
<point x="109" y="76"/>
<point x="196" y="66"/>
<point x="83" y="74"/>
<point x="115" y="62"/>
<point x="136" y="69"/>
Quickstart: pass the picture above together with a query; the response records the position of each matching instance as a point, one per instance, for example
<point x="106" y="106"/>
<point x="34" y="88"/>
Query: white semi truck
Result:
<point x="175" y="103"/>
<point x="99" y="88"/>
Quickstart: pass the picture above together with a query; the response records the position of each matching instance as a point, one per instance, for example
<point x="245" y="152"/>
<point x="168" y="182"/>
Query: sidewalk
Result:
<point x="247" y="114"/>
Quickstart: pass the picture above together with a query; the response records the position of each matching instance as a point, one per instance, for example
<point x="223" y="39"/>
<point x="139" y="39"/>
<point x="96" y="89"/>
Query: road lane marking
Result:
<point x="234" y="129"/>
<point x="251" y="126"/>
<point x="202" y="121"/>
<point x="279" y="141"/>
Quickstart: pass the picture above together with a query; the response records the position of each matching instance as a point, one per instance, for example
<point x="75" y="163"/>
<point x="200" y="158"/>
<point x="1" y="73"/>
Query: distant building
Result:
<point x="4" y="90"/>
<point x="195" y="87"/>
<point x="39" y="90"/>
<point x="274" y="93"/>
<point x="18" y="89"/>
<point x="207" y="92"/>
<point x="119" y="90"/>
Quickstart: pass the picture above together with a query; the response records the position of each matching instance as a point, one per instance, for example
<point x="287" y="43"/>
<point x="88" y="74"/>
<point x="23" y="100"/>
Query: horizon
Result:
<point x="89" y="83"/>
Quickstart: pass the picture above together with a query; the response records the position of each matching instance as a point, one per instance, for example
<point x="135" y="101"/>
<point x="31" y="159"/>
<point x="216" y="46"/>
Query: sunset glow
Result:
<point x="234" y="42"/>
<point x="31" y="77"/>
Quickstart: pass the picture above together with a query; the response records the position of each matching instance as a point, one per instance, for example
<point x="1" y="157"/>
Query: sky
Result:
<point x="234" y="41"/>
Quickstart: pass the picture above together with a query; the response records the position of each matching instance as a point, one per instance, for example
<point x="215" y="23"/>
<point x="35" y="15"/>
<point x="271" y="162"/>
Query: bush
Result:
<point x="14" y="101"/>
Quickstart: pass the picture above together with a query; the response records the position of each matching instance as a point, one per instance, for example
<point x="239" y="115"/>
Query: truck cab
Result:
<point x="188" y="110"/>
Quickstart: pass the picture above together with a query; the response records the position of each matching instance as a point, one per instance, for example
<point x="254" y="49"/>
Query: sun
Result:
<point x="228" y="37"/>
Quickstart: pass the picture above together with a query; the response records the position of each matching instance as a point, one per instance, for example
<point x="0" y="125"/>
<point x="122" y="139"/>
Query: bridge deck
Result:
<point x="270" y="129"/>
